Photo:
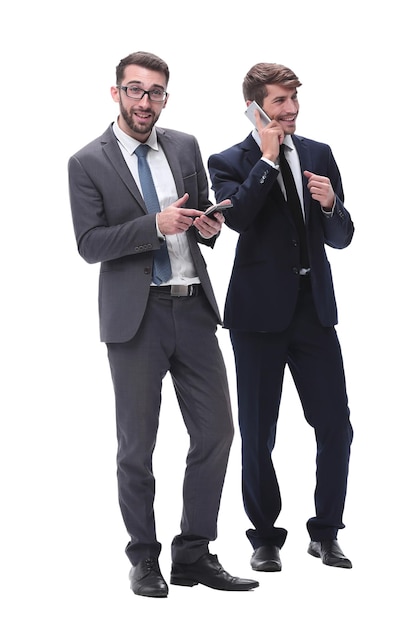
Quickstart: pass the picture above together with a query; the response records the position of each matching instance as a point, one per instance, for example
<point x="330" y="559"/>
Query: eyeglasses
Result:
<point x="136" y="93"/>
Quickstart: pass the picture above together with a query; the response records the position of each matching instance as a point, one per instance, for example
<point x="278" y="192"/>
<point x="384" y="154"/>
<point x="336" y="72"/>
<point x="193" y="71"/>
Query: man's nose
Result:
<point x="291" y="106"/>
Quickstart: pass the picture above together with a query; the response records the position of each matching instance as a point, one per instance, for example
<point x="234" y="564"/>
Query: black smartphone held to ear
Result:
<point x="217" y="208"/>
<point x="250" y="114"/>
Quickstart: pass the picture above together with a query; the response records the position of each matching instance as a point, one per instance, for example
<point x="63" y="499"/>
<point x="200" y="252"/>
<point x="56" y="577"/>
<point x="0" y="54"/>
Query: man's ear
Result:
<point x="115" y="94"/>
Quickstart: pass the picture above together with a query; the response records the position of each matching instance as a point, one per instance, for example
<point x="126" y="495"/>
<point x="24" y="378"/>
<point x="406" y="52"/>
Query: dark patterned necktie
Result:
<point x="162" y="270"/>
<point x="293" y="202"/>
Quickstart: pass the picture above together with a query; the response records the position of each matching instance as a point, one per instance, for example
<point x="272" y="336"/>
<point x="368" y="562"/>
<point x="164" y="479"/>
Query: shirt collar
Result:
<point x="129" y="143"/>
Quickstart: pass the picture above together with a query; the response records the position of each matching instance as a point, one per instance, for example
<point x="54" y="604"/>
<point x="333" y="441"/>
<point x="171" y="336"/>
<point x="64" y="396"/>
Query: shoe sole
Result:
<point x="267" y="566"/>
<point x="188" y="582"/>
<point x="158" y="594"/>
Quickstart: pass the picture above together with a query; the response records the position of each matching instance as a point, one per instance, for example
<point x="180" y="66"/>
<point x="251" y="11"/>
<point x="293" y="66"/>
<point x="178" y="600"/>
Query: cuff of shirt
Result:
<point x="329" y="213"/>
<point x="159" y="233"/>
<point x="271" y="163"/>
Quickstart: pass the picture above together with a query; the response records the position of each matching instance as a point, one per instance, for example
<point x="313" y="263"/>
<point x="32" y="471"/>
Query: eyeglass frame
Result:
<point x="145" y="92"/>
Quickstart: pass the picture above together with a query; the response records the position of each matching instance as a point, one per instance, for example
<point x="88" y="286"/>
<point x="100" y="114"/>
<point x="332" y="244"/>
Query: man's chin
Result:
<point x="141" y="129"/>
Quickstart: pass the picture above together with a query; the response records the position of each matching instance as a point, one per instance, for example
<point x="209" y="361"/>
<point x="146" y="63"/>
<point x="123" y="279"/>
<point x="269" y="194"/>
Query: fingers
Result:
<point x="259" y="125"/>
<point x="175" y="219"/>
<point x="181" y="201"/>
<point x="271" y="136"/>
<point x="209" y="226"/>
<point x="316" y="184"/>
<point x="320" y="189"/>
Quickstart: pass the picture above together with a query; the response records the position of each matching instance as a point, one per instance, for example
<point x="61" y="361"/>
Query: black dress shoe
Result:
<point x="330" y="553"/>
<point x="208" y="571"/>
<point x="146" y="579"/>
<point x="266" y="559"/>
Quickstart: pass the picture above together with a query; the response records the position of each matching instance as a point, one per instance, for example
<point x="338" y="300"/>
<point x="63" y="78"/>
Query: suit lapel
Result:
<point x="114" y="154"/>
<point x="251" y="150"/>
<point x="252" y="155"/>
<point x="172" y="156"/>
<point x="171" y="150"/>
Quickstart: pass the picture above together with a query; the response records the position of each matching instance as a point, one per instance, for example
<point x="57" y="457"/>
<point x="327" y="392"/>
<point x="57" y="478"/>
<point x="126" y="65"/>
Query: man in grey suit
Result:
<point x="158" y="313"/>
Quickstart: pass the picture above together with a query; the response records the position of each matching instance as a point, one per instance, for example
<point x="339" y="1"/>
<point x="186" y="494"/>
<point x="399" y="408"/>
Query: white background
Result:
<point x="62" y="540"/>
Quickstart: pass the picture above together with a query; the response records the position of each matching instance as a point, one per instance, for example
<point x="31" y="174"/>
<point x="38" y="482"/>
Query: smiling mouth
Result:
<point x="140" y="115"/>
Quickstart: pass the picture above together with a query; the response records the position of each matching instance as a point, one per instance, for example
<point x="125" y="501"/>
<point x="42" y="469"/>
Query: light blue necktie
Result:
<point x="162" y="270"/>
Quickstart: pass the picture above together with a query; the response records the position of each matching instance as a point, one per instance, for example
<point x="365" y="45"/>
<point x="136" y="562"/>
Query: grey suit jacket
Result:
<point x="112" y="225"/>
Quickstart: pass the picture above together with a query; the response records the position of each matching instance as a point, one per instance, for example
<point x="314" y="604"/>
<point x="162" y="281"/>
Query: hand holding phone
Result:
<point x="270" y="141"/>
<point x="217" y="208"/>
<point x="250" y="114"/>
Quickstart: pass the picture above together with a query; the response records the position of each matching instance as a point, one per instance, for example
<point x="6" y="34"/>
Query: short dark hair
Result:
<point x="143" y="59"/>
<point x="262" y="74"/>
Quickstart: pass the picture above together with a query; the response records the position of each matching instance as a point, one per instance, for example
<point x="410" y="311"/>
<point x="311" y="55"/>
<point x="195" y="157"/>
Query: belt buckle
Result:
<point x="179" y="290"/>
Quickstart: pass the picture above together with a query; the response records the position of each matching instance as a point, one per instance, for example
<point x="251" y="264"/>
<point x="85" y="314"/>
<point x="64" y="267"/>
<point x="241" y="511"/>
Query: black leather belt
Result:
<point x="178" y="291"/>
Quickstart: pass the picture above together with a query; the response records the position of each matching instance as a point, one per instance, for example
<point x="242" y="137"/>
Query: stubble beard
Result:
<point x="138" y="129"/>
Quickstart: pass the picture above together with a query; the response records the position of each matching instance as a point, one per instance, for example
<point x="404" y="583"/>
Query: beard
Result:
<point x="132" y="123"/>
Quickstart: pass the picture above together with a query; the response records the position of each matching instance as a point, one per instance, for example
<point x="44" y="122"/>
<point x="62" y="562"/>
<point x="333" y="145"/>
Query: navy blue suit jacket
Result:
<point x="264" y="284"/>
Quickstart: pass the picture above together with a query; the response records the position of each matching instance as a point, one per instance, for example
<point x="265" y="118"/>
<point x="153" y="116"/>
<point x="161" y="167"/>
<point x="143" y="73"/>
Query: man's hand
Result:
<point x="321" y="190"/>
<point x="174" y="219"/>
<point x="210" y="226"/>
<point x="271" y="137"/>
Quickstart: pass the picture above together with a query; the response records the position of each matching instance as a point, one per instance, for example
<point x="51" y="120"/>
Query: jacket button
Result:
<point x="294" y="243"/>
<point x="295" y="270"/>
<point x="147" y="270"/>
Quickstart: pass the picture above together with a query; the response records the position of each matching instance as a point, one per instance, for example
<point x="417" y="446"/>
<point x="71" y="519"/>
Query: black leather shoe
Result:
<point x="330" y="553"/>
<point x="208" y="571"/>
<point x="266" y="559"/>
<point x="146" y="579"/>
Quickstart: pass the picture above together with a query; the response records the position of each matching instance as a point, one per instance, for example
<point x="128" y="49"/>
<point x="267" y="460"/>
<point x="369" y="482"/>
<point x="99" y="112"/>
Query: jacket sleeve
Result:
<point x="247" y="194"/>
<point x="98" y="239"/>
<point x="338" y="228"/>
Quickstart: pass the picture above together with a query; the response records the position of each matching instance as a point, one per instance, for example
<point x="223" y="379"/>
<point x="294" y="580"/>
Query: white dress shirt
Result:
<point x="291" y="155"/>
<point x="293" y="159"/>
<point x="183" y="268"/>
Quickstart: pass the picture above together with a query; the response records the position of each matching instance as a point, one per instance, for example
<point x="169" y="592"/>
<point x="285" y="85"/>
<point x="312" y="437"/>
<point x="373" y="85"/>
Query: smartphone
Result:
<point x="217" y="208"/>
<point x="250" y="113"/>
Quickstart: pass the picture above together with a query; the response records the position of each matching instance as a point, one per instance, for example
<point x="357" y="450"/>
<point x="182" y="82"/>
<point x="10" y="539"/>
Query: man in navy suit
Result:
<point x="280" y="308"/>
<point x="157" y="317"/>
